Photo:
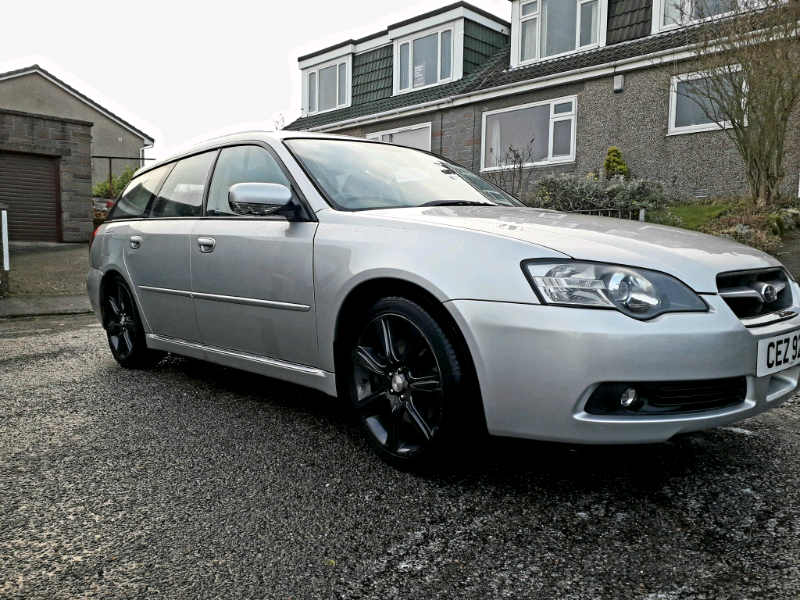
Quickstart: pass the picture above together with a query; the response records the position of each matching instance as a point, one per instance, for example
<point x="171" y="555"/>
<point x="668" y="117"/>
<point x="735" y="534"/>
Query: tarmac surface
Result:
<point x="197" y="481"/>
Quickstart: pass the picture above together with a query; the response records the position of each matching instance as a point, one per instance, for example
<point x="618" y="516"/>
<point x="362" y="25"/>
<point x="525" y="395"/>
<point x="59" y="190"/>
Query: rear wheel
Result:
<point x="405" y="383"/>
<point x="124" y="328"/>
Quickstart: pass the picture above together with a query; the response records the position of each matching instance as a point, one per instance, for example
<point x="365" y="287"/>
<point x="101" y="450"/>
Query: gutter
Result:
<point x="530" y="85"/>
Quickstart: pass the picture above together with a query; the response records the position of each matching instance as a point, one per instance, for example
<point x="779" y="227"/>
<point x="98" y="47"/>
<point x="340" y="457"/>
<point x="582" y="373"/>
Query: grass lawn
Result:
<point x="694" y="215"/>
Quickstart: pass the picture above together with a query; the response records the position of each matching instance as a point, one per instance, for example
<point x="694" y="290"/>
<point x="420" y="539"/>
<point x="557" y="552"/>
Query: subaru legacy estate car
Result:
<point x="435" y="303"/>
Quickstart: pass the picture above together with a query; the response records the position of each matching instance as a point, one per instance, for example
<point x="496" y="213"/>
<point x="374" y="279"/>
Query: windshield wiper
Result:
<point x="457" y="203"/>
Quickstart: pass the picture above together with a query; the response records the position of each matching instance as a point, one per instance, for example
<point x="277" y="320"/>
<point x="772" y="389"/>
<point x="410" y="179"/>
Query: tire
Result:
<point x="405" y="382"/>
<point x="124" y="328"/>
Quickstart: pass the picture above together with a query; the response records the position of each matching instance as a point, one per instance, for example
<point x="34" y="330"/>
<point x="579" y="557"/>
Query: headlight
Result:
<point x="638" y="293"/>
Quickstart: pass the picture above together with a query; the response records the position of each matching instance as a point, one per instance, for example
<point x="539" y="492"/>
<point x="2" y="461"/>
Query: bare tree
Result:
<point x="515" y="174"/>
<point x="749" y="59"/>
<point x="279" y="122"/>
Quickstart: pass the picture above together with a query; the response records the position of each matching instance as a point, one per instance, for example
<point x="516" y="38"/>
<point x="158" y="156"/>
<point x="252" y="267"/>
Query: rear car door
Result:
<point x="252" y="276"/>
<point x="158" y="250"/>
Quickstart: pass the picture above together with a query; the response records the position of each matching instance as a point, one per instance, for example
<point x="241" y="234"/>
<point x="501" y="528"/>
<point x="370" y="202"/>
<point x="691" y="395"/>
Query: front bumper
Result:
<point x="537" y="366"/>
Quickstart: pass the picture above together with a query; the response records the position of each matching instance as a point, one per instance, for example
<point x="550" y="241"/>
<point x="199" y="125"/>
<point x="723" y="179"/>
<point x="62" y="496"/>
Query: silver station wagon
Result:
<point x="436" y="304"/>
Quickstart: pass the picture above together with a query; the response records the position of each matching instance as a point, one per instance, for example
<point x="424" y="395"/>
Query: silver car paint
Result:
<point x="536" y="364"/>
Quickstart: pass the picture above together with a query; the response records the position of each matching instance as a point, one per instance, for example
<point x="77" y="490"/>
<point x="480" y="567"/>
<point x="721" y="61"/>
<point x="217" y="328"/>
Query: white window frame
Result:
<point x="516" y="31"/>
<point x="456" y="58"/>
<point x="673" y="105"/>
<point x="554" y="118"/>
<point x="347" y="84"/>
<point x="376" y="135"/>
<point x="687" y="5"/>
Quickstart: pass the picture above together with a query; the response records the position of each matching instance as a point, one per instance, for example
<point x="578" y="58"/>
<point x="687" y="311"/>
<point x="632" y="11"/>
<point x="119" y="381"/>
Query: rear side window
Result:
<point x="241" y="164"/>
<point x="134" y="200"/>
<point x="182" y="192"/>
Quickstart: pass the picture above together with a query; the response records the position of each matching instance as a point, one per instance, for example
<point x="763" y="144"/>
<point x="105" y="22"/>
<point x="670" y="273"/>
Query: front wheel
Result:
<point x="124" y="329"/>
<point x="405" y="383"/>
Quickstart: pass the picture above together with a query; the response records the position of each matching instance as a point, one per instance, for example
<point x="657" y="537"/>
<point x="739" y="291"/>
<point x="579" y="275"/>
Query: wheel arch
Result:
<point x="367" y="292"/>
<point x="108" y="276"/>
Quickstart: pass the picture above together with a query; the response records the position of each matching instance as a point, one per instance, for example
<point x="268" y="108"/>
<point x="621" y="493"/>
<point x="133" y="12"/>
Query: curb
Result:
<point x="57" y="313"/>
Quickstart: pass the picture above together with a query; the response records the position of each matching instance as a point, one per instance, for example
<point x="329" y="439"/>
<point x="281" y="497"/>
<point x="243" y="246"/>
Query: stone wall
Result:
<point x="635" y="120"/>
<point x="71" y="142"/>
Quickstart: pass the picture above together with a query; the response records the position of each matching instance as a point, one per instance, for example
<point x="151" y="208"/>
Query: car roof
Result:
<point x="240" y="136"/>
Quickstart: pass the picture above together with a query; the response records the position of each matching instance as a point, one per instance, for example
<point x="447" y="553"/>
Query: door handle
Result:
<point x="206" y="244"/>
<point x="136" y="241"/>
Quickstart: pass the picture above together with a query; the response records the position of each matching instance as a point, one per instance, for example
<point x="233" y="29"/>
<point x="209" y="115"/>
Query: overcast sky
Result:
<point x="180" y="70"/>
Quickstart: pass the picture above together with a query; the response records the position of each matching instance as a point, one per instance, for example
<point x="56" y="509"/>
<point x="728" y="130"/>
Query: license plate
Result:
<point x="778" y="353"/>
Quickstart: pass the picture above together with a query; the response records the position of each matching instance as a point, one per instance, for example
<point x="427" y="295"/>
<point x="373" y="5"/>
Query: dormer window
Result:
<point x="328" y="87"/>
<point x="424" y="60"/>
<point x="680" y="12"/>
<point x="549" y="28"/>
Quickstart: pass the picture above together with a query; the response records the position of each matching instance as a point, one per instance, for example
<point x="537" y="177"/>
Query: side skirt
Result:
<point x="300" y="374"/>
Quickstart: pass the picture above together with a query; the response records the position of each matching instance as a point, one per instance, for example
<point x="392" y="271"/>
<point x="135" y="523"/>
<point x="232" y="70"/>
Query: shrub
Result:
<point x="102" y="190"/>
<point x="614" y="164"/>
<point x="571" y="193"/>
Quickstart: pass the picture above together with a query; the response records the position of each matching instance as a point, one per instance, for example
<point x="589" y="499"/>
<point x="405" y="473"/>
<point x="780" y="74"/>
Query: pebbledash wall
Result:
<point x="635" y="120"/>
<point x="71" y="142"/>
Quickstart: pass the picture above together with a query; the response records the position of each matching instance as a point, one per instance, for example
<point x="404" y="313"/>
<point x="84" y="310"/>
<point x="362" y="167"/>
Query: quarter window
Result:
<point x="241" y="164"/>
<point x="182" y="192"/>
<point x="327" y="88"/>
<point x="133" y="202"/>
<point x="426" y="60"/>
<point x="552" y="27"/>
<point x="535" y="134"/>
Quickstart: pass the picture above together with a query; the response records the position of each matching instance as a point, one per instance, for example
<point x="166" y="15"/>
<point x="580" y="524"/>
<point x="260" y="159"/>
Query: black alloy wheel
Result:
<point x="123" y="327"/>
<point x="405" y="382"/>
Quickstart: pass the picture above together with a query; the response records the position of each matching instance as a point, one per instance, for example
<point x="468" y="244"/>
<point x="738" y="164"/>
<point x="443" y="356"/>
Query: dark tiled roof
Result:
<point x="92" y="103"/>
<point x="372" y="75"/>
<point x="629" y="20"/>
<point x="402" y="100"/>
<point x="480" y="44"/>
<point x="496" y="73"/>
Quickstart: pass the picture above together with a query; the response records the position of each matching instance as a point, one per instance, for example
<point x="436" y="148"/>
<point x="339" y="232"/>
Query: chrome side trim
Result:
<point x="169" y="292"/>
<point x="272" y="362"/>
<point x="252" y="302"/>
<point x="228" y="299"/>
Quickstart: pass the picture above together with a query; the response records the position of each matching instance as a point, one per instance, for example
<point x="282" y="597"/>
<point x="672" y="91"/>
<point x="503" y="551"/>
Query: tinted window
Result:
<point x="182" y="193"/>
<point x="241" y="164"/>
<point x="137" y="194"/>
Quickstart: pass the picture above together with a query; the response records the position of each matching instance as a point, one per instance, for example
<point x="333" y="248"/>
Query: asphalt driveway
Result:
<point x="196" y="481"/>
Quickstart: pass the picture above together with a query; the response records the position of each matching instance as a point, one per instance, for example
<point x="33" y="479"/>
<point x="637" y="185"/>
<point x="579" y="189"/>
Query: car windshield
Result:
<point x="357" y="175"/>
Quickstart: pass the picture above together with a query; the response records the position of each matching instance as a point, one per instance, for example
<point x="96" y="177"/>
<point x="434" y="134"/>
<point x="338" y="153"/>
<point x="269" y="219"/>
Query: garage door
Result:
<point x="29" y="186"/>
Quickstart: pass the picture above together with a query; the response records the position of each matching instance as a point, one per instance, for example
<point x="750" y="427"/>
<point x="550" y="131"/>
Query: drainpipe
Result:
<point x="4" y="235"/>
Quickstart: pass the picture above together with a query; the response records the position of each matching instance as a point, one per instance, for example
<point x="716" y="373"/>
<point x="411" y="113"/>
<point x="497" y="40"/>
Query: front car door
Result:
<point x="252" y="277"/>
<point x="158" y="251"/>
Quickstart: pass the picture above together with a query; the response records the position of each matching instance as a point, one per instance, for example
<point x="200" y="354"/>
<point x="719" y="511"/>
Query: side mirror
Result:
<point x="260" y="199"/>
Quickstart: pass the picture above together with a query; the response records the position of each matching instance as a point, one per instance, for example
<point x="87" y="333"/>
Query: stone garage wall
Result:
<point x="71" y="142"/>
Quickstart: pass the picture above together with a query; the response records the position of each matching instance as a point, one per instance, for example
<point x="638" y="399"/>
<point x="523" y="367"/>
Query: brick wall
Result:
<point x="71" y="142"/>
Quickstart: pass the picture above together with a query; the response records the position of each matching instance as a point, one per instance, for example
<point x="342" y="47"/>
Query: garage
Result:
<point x="29" y="186"/>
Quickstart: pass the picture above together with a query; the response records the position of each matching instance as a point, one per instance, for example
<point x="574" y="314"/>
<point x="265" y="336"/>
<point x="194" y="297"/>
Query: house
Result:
<point x="566" y="79"/>
<point x="50" y="136"/>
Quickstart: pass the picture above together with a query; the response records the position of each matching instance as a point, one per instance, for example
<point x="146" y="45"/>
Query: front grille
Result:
<point x="668" y="397"/>
<point x="745" y="291"/>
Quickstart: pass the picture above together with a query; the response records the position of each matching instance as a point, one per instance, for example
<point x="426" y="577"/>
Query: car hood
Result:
<point x="694" y="258"/>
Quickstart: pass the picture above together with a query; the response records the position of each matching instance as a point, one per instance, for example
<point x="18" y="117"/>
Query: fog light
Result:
<point x="628" y="398"/>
